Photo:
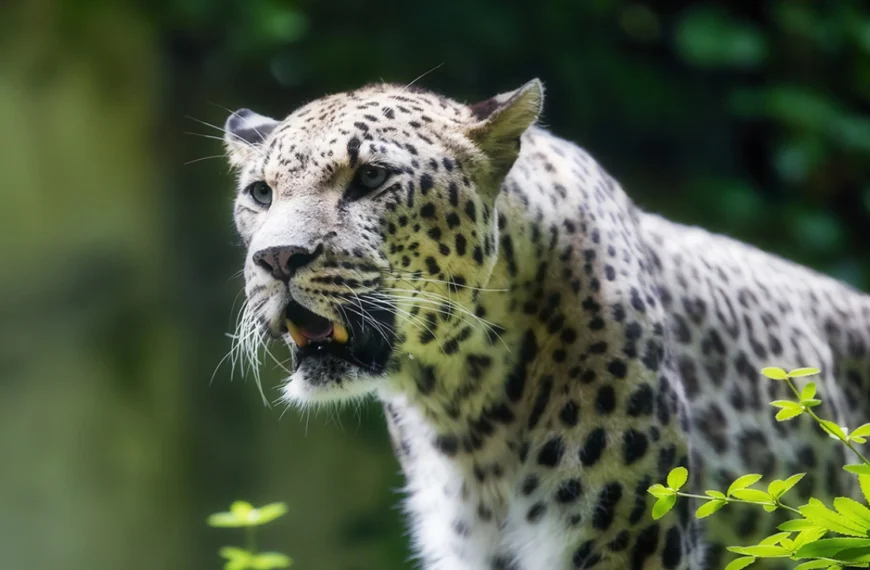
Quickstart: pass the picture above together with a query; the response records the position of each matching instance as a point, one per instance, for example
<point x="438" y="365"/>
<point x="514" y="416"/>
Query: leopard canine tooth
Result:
<point x="297" y="335"/>
<point x="339" y="333"/>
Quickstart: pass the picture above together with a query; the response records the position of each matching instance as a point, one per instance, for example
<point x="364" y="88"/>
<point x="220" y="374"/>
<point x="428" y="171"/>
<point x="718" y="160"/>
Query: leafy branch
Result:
<point x="803" y="538"/>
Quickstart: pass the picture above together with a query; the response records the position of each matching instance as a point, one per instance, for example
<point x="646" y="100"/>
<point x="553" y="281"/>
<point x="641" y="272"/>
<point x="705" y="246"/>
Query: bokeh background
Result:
<point x="120" y="429"/>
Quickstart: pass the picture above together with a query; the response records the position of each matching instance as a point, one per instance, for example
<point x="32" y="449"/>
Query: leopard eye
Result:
<point x="371" y="177"/>
<point x="261" y="193"/>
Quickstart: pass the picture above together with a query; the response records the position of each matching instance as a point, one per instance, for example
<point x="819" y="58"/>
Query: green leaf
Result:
<point x="801" y="372"/>
<point x="743" y="482"/>
<point x="241" y="510"/>
<point x="796" y="525"/>
<point x="774" y="486"/>
<point x="786" y="405"/>
<point x="659" y="491"/>
<point x="740" y="563"/>
<point x="761" y="551"/>
<point x="788" y="414"/>
<point x="270" y="512"/>
<point x="807" y="536"/>
<point x="231" y="552"/>
<point x="709" y="508"/>
<point x="237" y="558"/>
<point x="774" y="538"/>
<point x="829" y="547"/>
<point x="270" y="561"/>
<point x="753" y="495"/>
<point x="858" y="469"/>
<point x="237" y="564"/>
<point x="854" y="556"/>
<point x="223" y="520"/>
<point x="677" y="478"/>
<point x="861" y="431"/>
<point x="864" y="483"/>
<point x="779" y="488"/>
<point x="854" y="511"/>
<point x="809" y="391"/>
<point x="715" y="494"/>
<point x="662" y="506"/>
<point x="833" y="429"/>
<point x="811" y="403"/>
<point x="813" y="564"/>
<point x="819" y="514"/>
<point x="774" y="373"/>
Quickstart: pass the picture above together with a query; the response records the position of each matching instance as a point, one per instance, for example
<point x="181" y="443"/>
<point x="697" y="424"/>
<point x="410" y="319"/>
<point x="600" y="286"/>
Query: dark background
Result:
<point x="119" y="430"/>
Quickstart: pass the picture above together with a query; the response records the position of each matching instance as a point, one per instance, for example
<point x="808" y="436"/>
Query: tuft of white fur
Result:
<point x="299" y="392"/>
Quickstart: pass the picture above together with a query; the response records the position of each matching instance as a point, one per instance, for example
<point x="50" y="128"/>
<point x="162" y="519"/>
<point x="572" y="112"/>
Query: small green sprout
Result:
<point x="244" y="515"/>
<point x="241" y="559"/>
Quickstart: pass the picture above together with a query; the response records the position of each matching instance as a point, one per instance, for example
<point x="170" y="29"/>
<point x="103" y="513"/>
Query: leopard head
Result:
<point x="369" y="219"/>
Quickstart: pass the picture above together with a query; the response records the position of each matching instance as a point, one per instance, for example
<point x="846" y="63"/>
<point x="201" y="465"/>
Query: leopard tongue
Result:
<point x="322" y="330"/>
<point x="303" y="335"/>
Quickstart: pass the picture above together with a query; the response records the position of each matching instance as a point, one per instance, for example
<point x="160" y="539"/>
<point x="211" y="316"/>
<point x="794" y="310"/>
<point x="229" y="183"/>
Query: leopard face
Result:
<point x="357" y="210"/>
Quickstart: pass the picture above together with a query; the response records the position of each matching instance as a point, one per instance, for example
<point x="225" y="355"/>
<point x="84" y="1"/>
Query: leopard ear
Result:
<point x="502" y="120"/>
<point x="244" y="133"/>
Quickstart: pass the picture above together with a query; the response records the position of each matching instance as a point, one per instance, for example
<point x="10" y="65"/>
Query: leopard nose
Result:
<point x="284" y="261"/>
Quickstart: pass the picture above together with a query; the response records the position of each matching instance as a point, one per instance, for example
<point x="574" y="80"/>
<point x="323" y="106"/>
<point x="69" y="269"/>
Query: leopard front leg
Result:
<point x="451" y="528"/>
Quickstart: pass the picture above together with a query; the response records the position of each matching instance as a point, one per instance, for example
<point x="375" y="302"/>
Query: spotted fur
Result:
<point x="553" y="349"/>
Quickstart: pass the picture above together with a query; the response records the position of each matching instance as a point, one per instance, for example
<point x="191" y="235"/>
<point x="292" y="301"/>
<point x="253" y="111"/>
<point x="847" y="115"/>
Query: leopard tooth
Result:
<point x="299" y="338"/>
<point x="339" y="333"/>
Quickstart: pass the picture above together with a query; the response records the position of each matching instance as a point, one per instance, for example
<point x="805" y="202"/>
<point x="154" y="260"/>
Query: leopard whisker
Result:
<point x="414" y="278"/>
<point x="236" y="137"/>
<point x="436" y="298"/>
<point x="487" y="327"/>
<point x="410" y="318"/>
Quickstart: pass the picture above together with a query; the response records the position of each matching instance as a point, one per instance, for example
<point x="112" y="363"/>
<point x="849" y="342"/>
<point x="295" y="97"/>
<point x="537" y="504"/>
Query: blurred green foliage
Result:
<point x="748" y="118"/>
<point x="244" y="515"/>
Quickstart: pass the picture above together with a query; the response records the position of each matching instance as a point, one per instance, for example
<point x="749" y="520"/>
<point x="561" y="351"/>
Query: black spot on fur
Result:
<point x="353" y="146"/>
<point x="644" y="546"/>
<point x="617" y="368"/>
<point x="593" y="447"/>
<point x="426" y="380"/>
<point x="673" y="552"/>
<point x="635" y="444"/>
<point x="569" y="491"/>
<point x="448" y="444"/>
<point x="529" y="485"/>
<point x="640" y="403"/>
<point x="541" y="401"/>
<point x="551" y="452"/>
<point x="605" y="401"/>
<point x="605" y="509"/>
<point x="536" y="511"/>
<point x="570" y="413"/>
<point x="620" y="542"/>
<point x="584" y="557"/>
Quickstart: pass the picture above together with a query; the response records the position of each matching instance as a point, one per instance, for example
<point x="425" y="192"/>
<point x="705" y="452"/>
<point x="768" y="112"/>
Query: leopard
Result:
<point x="543" y="349"/>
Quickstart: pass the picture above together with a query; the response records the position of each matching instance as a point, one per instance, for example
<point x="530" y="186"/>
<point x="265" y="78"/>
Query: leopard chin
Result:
<point x="337" y="360"/>
<point x="327" y="379"/>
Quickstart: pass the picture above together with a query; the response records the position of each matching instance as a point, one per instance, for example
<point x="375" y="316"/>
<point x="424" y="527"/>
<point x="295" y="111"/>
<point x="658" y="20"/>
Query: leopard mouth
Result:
<point x="363" y="337"/>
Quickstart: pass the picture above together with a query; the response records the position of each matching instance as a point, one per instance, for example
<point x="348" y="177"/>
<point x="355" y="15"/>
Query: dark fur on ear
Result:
<point x="244" y="133"/>
<point x="502" y="120"/>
